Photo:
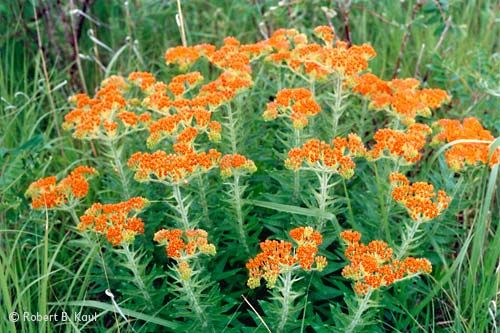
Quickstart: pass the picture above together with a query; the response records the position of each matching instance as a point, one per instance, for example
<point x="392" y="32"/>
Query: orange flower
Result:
<point x="231" y="163"/>
<point x="298" y="104"/>
<point x="278" y="257"/>
<point x="181" y="83"/>
<point x="320" y="156"/>
<point x="401" y="96"/>
<point x="182" y="56"/>
<point x="315" y="60"/>
<point x="461" y="155"/>
<point x="372" y="266"/>
<point x="402" y="145"/>
<point x="117" y="221"/>
<point x="418" y="198"/>
<point x="326" y="33"/>
<point x="143" y="79"/>
<point x="171" y="168"/>
<point x="183" y="246"/>
<point x="100" y="116"/>
<point x="47" y="193"/>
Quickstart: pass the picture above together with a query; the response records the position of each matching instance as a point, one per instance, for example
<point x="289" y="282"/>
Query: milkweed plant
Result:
<point x="174" y="226"/>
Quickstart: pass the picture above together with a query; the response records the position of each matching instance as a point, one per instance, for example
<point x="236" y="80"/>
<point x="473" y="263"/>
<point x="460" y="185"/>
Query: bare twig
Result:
<point x="406" y="36"/>
<point x="46" y="75"/>
<point x="345" y="7"/>
<point x="419" y="60"/>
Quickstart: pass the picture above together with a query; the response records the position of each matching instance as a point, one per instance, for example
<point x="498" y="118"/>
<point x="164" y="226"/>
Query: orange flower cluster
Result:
<point x="418" y="198"/>
<point x="47" y="193"/>
<point x="183" y="56"/>
<point x="231" y="56"/>
<point x="180" y="84"/>
<point x="172" y="168"/>
<point x="102" y="115"/>
<point x="142" y="79"/>
<point x="184" y="245"/>
<point x="278" y="257"/>
<point x="398" y="144"/>
<point x="401" y="96"/>
<point x="119" y="222"/>
<point x="335" y="57"/>
<point x="186" y="119"/>
<point x="372" y="266"/>
<point x="462" y="155"/>
<point x="321" y="156"/>
<point x="231" y="163"/>
<point x="298" y="104"/>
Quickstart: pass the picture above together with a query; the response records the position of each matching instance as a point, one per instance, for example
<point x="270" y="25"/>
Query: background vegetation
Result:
<point x="50" y="50"/>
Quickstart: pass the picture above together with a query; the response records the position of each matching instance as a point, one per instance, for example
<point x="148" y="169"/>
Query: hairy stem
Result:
<point x="349" y="206"/>
<point x="322" y="197"/>
<point x="181" y="208"/>
<point x="194" y="302"/>
<point x="336" y="108"/>
<point x="132" y="264"/>
<point x="285" y="300"/>
<point x="296" y="174"/>
<point x="410" y="236"/>
<point x="117" y="163"/>
<point x="231" y="125"/>
<point x="238" y="207"/>
<point x="203" y="198"/>
<point x="362" y="307"/>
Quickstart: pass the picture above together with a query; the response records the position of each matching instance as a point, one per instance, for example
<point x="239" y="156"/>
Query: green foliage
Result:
<point x="47" y="266"/>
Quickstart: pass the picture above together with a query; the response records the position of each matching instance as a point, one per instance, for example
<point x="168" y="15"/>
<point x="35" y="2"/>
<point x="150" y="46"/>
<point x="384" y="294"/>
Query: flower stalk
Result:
<point x="194" y="302"/>
<point x="138" y="281"/>
<point x="337" y="106"/>
<point x="180" y="207"/>
<point x="296" y="175"/>
<point x="236" y="192"/>
<point x="285" y="299"/>
<point x="118" y="167"/>
<point x="363" y="305"/>
<point x="322" y="197"/>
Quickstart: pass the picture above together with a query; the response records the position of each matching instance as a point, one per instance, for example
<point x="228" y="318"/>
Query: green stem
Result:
<point x="322" y="198"/>
<point x="231" y="125"/>
<point x="119" y="168"/>
<point x="181" y="208"/>
<point x="203" y="198"/>
<point x="238" y="207"/>
<point x="45" y="273"/>
<point x="296" y="174"/>
<point x="195" y="304"/>
<point x="362" y="307"/>
<point x="132" y="264"/>
<point x="336" y="109"/>
<point x="349" y="207"/>
<point x="285" y="300"/>
<point x="410" y="236"/>
<point x="384" y="210"/>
